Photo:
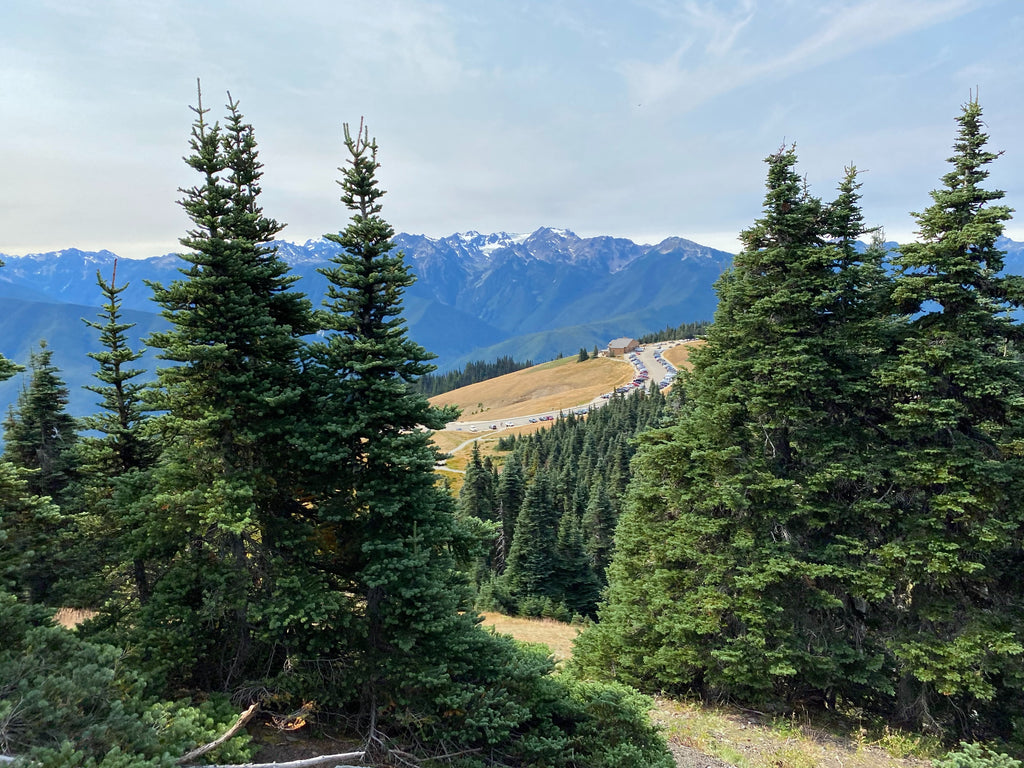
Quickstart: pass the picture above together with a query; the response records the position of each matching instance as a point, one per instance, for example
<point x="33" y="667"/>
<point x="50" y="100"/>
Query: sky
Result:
<point x="633" y="118"/>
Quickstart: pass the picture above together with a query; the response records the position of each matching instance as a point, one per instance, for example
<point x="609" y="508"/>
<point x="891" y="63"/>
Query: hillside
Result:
<point x="557" y="385"/>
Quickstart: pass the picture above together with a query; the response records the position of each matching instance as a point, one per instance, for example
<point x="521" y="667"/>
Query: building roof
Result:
<point x="622" y="342"/>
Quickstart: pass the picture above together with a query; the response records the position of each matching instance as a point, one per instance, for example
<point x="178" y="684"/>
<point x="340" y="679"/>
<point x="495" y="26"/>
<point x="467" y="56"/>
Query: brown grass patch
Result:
<point x="554" y="634"/>
<point x="560" y="384"/>
<point x="70" y="618"/>
<point x="679" y="355"/>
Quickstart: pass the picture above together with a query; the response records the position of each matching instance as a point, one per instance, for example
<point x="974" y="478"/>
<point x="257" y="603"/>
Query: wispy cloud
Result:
<point x="735" y="57"/>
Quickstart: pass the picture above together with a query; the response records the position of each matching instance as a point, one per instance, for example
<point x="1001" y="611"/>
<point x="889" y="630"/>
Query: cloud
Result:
<point x="837" y="30"/>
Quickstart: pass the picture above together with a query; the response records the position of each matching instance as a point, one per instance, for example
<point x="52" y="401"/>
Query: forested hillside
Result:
<point x="554" y="507"/>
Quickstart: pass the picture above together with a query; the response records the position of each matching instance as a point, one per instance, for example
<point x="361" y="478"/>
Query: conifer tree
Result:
<point x="511" y="487"/>
<point x="115" y="461"/>
<point x="376" y="461"/>
<point x="40" y="437"/>
<point x="951" y="551"/>
<point x="223" y="489"/>
<point x="39" y="433"/>
<point x="409" y="648"/>
<point x="25" y="520"/>
<point x="476" y="497"/>
<point x="533" y="557"/>
<point x="725" y="576"/>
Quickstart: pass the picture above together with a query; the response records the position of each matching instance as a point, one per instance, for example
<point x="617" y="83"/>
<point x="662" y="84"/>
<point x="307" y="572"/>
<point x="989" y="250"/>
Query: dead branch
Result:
<point x="199" y="751"/>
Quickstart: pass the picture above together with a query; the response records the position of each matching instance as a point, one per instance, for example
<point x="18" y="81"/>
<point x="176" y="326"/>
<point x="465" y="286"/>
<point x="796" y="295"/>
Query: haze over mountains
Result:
<point x="477" y="296"/>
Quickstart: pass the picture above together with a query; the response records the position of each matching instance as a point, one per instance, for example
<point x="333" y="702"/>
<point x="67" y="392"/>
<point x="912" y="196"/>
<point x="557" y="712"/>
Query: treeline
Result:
<point x="554" y="506"/>
<point x="833" y="519"/>
<point x="479" y="370"/>
<point x="683" y="331"/>
<point x="261" y="529"/>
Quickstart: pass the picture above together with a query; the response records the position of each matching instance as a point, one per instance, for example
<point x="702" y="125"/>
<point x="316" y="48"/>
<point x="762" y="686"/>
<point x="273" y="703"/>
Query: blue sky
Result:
<point x="633" y="118"/>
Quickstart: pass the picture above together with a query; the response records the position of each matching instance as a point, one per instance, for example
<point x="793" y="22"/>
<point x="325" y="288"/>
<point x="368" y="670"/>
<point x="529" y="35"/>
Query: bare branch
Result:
<point x="199" y="751"/>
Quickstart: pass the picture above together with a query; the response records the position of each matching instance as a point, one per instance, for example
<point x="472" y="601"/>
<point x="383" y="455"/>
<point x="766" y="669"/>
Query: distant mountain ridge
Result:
<point x="477" y="296"/>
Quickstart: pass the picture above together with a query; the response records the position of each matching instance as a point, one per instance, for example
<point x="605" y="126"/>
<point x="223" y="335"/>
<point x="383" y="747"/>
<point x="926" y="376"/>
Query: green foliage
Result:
<point x="559" y="513"/>
<point x="970" y="755"/>
<point x="39" y="433"/>
<point x="39" y="440"/>
<point x="67" y="702"/>
<point x="832" y="518"/>
<point x="671" y="333"/>
<point x="583" y="355"/>
<point x="221" y="506"/>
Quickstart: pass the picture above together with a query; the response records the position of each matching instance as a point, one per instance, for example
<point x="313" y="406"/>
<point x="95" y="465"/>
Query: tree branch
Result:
<point x="199" y="751"/>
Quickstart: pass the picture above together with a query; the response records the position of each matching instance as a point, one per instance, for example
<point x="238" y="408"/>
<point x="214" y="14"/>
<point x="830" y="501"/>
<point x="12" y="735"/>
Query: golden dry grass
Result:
<point x="560" y="384"/>
<point x="70" y="618"/>
<point x="554" y="634"/>
<point x="679" y="355"/>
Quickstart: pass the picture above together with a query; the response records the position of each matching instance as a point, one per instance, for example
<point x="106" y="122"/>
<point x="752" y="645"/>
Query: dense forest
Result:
<point x="681" y="331"/>
<point x="823" y="514"/>
<point x="554" y="507"/>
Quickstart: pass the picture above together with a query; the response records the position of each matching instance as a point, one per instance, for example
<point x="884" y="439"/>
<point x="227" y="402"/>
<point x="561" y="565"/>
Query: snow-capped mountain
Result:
<point x="477" y="296"/>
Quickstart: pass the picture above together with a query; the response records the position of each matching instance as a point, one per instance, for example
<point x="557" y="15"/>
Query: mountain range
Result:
<point x="477" y="296"/>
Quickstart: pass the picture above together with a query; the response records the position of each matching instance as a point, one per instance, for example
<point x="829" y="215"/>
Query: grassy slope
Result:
<point x="561" y="384"/>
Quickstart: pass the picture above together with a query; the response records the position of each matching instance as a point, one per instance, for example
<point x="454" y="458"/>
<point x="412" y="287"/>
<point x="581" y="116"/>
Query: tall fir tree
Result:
<point x="725" y="576"/>
<point x="115" y="456"/>
<point x="378" y="498"/>
<point x="25" y="519"/>
<point x="951" y="552"/>
<point x="223" y="487"/>
<point x="39" y="433"/>
<point x="39" y="438"/>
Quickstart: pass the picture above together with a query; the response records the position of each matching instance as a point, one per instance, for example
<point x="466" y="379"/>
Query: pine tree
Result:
<point x="39" y="433"/>
<point x="725" y="576"/>
<point x="511" y="488"/>
<point x="40" y="436"/>
<point x="476" y="497"/>
<point x="223" y="490"/>
<point x="376" y="461"/>
<point x="25" y="520"/>
<point x="951" y="551"/>
<point x="114" y="462"/>
<point x="533" y="557"/>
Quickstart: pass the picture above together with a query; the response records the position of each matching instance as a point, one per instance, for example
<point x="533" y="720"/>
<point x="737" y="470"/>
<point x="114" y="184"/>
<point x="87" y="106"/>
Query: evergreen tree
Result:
<point x="511" y="488"/>
<point x="726" y="576"/>
<point x="422" y="668"/>
<point x="376" y="462"/>
<point x="476" y="497"/>
<point x="578" y="585"/>
<point x="25" y="520"/>
<point x="533" y="557"/>
<point x="951" y="551"/>
<point x="113" y="462"/>
<point x="599" y="528"/>
<point x="40" y="437"/>
<point x="223" y="487"/>
<point x="39" y="433"/>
